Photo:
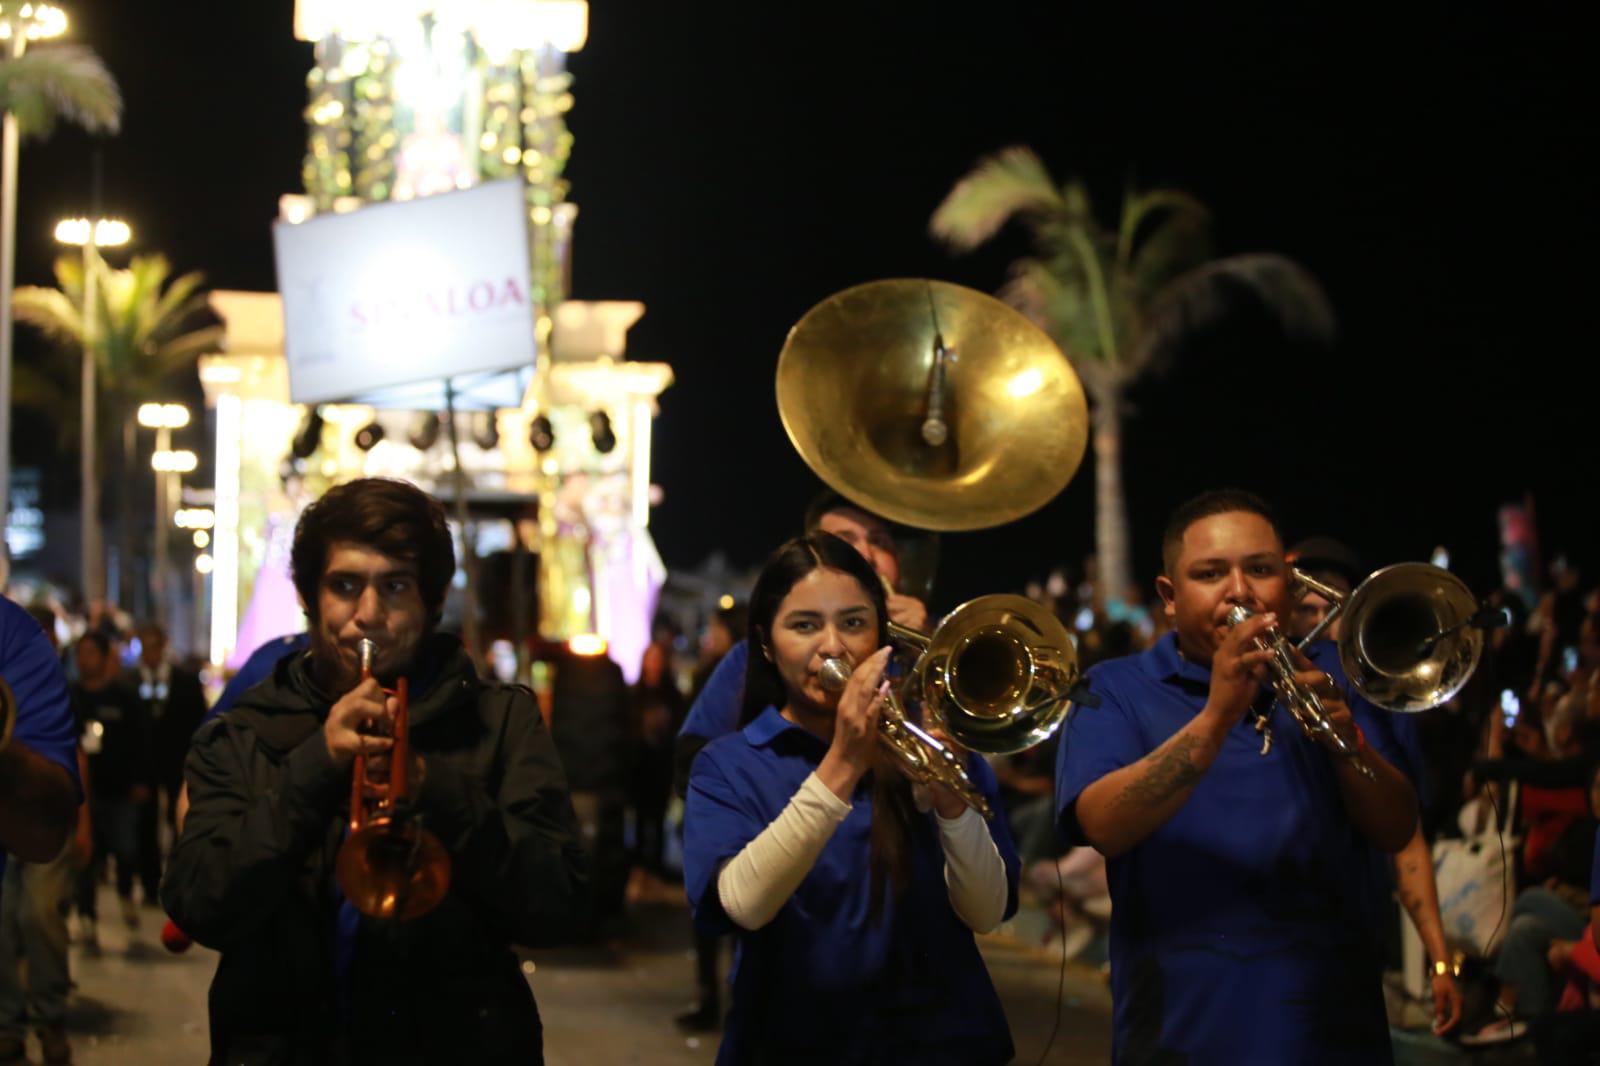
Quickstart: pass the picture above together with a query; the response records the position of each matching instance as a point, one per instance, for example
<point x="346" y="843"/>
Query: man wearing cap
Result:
<point x="1334" y="564"/>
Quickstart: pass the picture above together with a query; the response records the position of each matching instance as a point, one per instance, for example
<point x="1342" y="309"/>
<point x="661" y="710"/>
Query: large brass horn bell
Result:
<point x="857" y="377"/>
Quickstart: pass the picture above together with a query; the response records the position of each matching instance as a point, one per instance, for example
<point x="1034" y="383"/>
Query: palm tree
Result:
<point x="36" y="88"/>
<point x="146" y="333"/>
<point x="1119" y="302"/>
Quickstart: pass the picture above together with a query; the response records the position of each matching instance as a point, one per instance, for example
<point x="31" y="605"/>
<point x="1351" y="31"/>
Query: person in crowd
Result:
<point x="116" y="739"/>
<point x="39" y="802"/>
<point x="1545" y="914"/>
<point x="1242" y="899"/>
<point x="1572" y="1036"/>
<point x="304" y="976"/>
<point x="715" y="710"/>
<point x="853" y="908"/>
<point x="174" y="704"/>
<point x="591" y="722"/>
<point x="725" y="629"/>
<point x="1335" y="565"/>
<point x="658" y="712"/>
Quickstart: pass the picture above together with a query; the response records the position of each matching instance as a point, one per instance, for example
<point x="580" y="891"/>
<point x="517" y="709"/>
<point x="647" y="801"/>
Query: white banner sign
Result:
<point x="403" y="293"/>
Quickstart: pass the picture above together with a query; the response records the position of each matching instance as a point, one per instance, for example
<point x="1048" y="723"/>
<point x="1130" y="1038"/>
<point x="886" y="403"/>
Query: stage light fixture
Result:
<point x="600" y="431"/>
<point x="485" y="430"/>
<point x="425" y="431"/>
<point x="541" y="434"/>
<point x="368" y="436"/>
<point x="308" y="438"/>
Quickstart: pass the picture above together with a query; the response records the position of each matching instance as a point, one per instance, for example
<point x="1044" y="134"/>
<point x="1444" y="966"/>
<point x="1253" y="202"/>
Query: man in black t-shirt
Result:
<point x="115" y="732"/>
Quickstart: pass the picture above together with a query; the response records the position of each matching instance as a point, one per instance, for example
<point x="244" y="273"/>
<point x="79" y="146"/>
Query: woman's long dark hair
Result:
<point x="763" y="687"/>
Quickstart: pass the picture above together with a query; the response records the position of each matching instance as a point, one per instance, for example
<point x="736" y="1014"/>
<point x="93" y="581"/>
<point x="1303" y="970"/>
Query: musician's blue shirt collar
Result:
<point x="1165" y="663"/>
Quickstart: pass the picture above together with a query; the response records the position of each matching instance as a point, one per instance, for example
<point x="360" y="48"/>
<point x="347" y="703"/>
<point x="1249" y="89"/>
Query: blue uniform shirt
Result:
<point x="715" y="712"/>
<point x="824" y="981"/>
<point x="257" y="669"/>
<point x="1242" y="928"/>
<point x="44" y="717"/>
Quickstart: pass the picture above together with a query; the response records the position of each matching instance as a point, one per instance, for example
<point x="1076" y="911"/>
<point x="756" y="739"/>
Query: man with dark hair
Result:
<point x="116" y="739"/>
<point x="304" y="977"/>
<point x="1242" y="898"/>
<point x="175" y="704"/>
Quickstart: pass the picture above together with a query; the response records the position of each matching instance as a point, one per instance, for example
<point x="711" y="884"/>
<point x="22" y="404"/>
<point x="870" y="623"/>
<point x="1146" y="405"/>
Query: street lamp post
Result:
<point x="19" y="24"/>
<point x="91" y="236"/>
<point x="163" y="418"/>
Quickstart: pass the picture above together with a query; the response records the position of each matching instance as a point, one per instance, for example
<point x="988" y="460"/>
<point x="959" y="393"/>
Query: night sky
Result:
<point x="735" y="164"/>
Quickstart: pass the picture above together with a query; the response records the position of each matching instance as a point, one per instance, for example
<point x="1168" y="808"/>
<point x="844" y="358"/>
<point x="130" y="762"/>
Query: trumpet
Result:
<point x="1302" y="701"/>
<point x="389" y="866"/>
<point x="921" y="755"/>
<point x="995" y="676"/>
<point x="1413" y="636"/>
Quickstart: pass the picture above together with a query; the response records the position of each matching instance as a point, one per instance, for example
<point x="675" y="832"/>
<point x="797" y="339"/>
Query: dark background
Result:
<point x="735" y="164"/>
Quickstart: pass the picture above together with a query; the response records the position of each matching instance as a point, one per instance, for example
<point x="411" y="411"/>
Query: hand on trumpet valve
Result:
<point x="855" y="726"/>
<point x="1332" y="700"/>
<point x="945" y="800"/>
<point x="356" y="723"/>
<point x="1239" y="667"/>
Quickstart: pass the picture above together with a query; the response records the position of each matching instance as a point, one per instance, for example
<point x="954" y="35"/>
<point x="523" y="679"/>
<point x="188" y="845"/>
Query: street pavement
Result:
<point x="138" y="1005"/>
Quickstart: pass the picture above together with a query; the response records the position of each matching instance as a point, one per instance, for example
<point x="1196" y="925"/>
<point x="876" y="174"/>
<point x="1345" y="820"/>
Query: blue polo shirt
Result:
<point x="1242" y="929"/>
<point x="715" y="712"/>
<point x="257" y="669"/>
<point x="29" y="665"/>
<point x="824" y="981"/>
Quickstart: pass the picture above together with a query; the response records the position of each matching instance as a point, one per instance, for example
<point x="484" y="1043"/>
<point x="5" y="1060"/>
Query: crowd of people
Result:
<point x="130" y="713"/>
<point x="1250" y="876"/>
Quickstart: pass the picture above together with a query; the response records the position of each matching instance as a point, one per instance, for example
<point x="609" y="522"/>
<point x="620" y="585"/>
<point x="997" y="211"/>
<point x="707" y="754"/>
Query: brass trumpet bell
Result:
<point x="996" y="674"/>
<point x="1409" y="642"/>
<point x="391" y="868"/>
<point x="857" y="377"/>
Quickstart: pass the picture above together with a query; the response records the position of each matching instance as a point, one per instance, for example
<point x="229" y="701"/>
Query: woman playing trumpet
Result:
<point x="802" y="839"/>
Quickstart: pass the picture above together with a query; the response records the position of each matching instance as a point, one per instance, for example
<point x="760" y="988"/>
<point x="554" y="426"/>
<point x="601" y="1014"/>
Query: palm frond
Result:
<point x="1057" y="305"/>
<point x="181" y="352"/>
<point x="60" y="81"/>
<point x="51" y="313"/>
<point x="1259" y="283"/>
<point x="1009" y="183"/>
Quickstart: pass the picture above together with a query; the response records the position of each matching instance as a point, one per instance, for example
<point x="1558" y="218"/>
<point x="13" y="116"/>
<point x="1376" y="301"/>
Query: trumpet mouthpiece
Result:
<point x="1237" y="614"/>
<point x="834" y="674"/>
<point x="368" y="651"/>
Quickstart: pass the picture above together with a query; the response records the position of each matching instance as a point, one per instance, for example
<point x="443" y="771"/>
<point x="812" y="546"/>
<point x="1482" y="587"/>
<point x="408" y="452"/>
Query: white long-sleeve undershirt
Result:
<point x="756" y="883"/>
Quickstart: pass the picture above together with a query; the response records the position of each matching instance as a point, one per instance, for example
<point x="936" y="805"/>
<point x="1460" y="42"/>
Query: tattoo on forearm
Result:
<point x="1170" y="772"/>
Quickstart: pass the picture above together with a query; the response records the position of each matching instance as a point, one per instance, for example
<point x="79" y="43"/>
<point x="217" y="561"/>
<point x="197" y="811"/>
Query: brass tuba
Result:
<point x="943" y="409"/>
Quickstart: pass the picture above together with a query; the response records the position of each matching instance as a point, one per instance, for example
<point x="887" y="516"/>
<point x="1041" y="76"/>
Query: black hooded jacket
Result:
<point x="252" y="876"/>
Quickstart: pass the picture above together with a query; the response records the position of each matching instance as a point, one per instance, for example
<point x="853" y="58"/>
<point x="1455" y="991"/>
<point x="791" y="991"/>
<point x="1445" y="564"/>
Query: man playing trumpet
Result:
<point x="1242" y="907"/>
<point x="304" y="976"/>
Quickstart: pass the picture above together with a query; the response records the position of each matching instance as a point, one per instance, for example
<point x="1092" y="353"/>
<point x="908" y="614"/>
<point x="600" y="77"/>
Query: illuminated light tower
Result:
<point x="163" y="418"/>
<point x="91" y="237"/>
<point x="408" y="98"/>
<point x="19" y="24"/>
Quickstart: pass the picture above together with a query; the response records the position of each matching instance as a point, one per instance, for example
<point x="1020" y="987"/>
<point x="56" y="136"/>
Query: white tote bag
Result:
<point x="1476" y="876"/>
